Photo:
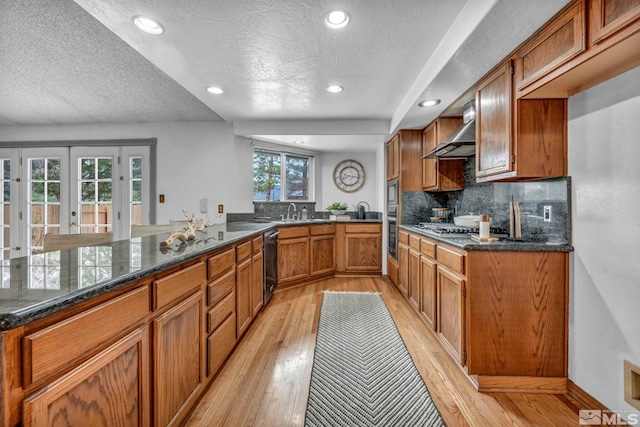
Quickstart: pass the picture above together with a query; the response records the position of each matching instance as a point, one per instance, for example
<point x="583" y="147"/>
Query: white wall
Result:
<point x="196" y="160"/>
<point x="604" y="163"/>
<point x="329" y="193"/>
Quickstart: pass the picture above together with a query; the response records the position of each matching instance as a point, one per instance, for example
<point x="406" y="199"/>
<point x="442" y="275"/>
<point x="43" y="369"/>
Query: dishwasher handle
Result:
<point x="271" y="235"/>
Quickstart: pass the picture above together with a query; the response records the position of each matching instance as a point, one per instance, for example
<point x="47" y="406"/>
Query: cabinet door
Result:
<point x="179" y="360"/>
<point x="257" y="282"/>
<point x="323" y="259"/>
<point x="393" y="158"/>
<point x="293" y="259"/>
<point x="403" y="268"/>
<point x="413" y="288"/>
<point x="111" y="388"/>
<point x="609" y="16"/>
<point x="494" y="103"/>
<point x="363" y="252"/>
<point x="244" y="309"/>
<point x="428" y="291"/>
<point x="429" y="166"/>
<point x="451" y="313"/>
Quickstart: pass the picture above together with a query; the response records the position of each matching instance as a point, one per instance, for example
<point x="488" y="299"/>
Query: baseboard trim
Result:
<point x="502" y="384"/>
<point x="584" y="399"/>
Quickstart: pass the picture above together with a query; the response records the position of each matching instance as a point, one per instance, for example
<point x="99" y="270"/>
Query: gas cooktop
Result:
<point x="452" y="230"/>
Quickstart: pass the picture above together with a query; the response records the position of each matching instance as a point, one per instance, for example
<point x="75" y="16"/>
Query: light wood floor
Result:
<point x="265" y="381"/>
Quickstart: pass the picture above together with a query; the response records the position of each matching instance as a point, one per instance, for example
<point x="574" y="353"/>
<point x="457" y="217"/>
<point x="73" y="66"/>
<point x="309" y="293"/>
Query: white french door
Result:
<point x="71" y="190"/>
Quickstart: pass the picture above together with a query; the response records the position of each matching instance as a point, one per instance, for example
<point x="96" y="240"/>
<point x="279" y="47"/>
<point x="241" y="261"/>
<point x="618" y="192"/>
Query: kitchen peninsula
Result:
<point x="129" y="333"/>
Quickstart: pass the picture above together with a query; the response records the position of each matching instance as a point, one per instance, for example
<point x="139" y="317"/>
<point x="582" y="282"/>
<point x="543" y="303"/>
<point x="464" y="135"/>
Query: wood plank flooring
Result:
<point x="265" y="381"/>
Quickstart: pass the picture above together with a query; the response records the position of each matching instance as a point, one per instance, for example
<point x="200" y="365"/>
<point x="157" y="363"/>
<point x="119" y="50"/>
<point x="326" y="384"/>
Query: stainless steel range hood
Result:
<point x="462" y="142"/>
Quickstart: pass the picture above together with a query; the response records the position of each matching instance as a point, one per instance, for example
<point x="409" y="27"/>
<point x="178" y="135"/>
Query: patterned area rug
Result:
<point x="362" y="373"/>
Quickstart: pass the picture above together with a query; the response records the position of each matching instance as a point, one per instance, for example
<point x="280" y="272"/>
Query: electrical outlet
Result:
<point x="204" y="205"/>
<point x="547" y="214"/>
<point x="162" y="198"/>
<point x="220" y="208"/>
<point x="632" y="384"/>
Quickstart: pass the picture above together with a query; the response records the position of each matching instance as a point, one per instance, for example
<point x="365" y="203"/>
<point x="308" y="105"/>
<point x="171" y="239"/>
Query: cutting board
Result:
<point x="477" y="238"/>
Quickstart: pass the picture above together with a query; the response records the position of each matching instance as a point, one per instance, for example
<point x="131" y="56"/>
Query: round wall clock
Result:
<point x="349" y="176"/>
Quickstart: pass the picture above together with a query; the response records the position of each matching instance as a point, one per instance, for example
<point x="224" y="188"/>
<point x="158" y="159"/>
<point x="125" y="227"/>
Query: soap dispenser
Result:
<point x="304" y="213"/>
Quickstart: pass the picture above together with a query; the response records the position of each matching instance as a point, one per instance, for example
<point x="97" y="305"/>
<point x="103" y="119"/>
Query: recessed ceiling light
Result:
<point x="336" y="19"/>
<point x="429" y="102"/>
<point x="215" y="90"/>
<point x="148" y="25"/>
<point x="335" y="89"/>
<point x="298" y="142"/>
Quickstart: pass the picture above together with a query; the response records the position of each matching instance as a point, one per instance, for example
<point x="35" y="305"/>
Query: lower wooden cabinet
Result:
<point x="293" y="254"/>
<point x="413" y="288"/>
<point x="359" y="248"/>
<point x="428" y="291"/>
<point x="179" y="363"/>
<point x="244" y="310"/>
<point x="451" y="313"/>
<point x="403" y="269"/>
<point x="323" y="254"/>
<point x="257" y="282"/>
<point x="220" y="343"/>
<point x="110" y="389"/>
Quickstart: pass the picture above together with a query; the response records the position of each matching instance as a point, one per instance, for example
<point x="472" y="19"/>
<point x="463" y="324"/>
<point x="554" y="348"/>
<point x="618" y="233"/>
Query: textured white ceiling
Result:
<point x="274" y="58"/>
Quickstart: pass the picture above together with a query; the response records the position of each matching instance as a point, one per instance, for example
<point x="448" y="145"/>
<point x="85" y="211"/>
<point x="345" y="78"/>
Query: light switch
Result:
<point x="204" y="205"/>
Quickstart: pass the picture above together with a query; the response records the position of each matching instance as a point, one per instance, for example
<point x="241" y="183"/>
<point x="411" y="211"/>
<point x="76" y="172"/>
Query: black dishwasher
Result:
<point x="270" y="264"/>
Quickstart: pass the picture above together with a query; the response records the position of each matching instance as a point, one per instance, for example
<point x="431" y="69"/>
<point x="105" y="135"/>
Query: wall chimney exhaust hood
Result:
<point x="462" y="142"/>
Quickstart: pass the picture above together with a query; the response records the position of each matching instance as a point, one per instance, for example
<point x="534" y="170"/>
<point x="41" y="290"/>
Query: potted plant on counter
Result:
<point x="337" y="208"/>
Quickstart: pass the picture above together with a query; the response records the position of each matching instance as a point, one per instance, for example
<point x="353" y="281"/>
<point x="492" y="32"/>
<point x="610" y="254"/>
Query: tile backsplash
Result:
<point x="493" y="199"/>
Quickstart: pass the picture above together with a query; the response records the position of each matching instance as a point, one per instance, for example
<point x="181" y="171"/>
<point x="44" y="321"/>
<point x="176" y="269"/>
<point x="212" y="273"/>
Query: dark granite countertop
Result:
<point x="468" y="244"/>
<point x="36" y="286"/>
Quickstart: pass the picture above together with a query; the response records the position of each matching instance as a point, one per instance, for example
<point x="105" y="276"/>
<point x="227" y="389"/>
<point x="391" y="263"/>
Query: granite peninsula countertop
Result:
<point x="36" y="286"/>
<point x="468" y="244"/>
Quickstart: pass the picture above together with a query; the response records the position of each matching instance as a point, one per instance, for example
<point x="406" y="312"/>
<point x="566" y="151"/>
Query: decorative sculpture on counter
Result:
<point x="189" y="232"/>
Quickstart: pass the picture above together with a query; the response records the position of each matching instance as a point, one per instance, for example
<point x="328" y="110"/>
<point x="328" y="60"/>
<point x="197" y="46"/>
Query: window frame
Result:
<point x="283" y="174"/>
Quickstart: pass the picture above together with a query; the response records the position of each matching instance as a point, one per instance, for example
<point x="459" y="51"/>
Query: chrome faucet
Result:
<point x="289" y="211"/>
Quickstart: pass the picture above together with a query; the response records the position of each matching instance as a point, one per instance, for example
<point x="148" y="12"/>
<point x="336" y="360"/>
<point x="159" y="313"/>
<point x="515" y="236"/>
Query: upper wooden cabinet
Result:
<point x="609" y="16"/>
<point x="562" y="40"/>
<point x="441" y="174"/>
<point x="393" y="158"/>
<point x="404" y="159"/>
<point x="568" y="56"/>
<point x="517" y="139"/>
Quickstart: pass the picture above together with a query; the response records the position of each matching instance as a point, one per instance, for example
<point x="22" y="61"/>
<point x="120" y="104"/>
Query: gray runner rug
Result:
<point x="362" y="373"/>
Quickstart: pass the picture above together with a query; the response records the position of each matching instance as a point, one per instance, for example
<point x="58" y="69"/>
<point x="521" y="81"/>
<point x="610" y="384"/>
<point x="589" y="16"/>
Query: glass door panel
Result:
<point x="46" y="200"/>
<point x="9" y="210"/>
<point x="95" y="190"/>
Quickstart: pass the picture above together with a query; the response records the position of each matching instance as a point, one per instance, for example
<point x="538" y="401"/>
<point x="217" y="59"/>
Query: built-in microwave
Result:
<point x="392" y="192"/>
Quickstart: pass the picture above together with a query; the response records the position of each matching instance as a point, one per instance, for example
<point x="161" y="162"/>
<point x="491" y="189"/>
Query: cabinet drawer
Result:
<point x="363" y="228"/>
<point x="317" y="230"/>
<point x="243" y="251"/>
<point x="450" y="259"/>
<point x="220" y="344"/>
<point x="221" y="263"/>
<point x="403" y="237"/>
<point x="288" y="232"/>
<point x="414" y="242"/>
<point x="218" y="289"/>
<point x="427" y="248"/>
<point x="59" y="345"/>
<point x="220" y="312"/>
<point x="256" y="244"/>
<point x="175" y="285"/>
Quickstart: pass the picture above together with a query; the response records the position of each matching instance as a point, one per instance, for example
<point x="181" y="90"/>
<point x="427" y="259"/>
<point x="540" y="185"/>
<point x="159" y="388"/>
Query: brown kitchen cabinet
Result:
<point x="553" y="47"/>
<point x="517" y="139"/>
<point x="607" y="17"/>
<point x="451" y="313"/>
<point x="393" y="158"/>
<point x="257" y="276"/>
<point x="244" y="310"/>
<point x="322" y="244"/>
<point x="111" y="388"/>
<point x="179" y="364"/>
<point x="293" y="254"/>
<point x="403" y="263"/>
<point x="359" y="248"/>
<point x="413" y="284"/>
<point x="501" y="315"/>
<point x="441" y="174"/>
